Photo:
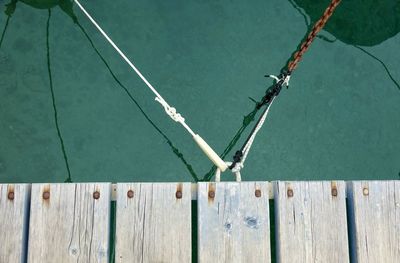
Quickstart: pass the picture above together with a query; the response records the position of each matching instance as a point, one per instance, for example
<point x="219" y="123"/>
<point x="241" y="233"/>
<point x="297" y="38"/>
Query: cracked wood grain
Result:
<point x="311" y="224"/>
<point x="153" y="223"/>
<point x="71" y="225"/>
<point x="233" y="223"/>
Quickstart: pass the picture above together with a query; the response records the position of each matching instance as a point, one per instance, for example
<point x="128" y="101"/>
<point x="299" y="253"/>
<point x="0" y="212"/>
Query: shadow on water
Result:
<point x="356" y="23"/>
<point x="67" y="7"/>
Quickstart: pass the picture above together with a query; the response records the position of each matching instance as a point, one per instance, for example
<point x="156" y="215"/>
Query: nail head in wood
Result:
<point x="257" y="193"/>
<point x="46" y="195"/>
<point x="290" y="192"/>
<point x="334" y="191"/>
<point x="178" y="194"/>
<point x="96" y="195"/>
<point x="10" y="195"/>
<point x="365" y="191"/>
<point x="130" y="194"/>
<point x="211" y="194"/>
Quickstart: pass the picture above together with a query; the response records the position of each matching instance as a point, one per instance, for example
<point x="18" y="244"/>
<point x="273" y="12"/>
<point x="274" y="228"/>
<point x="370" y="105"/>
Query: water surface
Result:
<point x="71" y="110"/>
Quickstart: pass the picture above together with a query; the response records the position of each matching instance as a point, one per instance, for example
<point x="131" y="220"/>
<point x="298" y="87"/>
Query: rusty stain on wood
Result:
<point x="178" y="193"/>
<point x="289" y="192"/>
<point x="211" y="192"/>
<point x="46" y="193"/>
<point x="334" y="191"/>
<point x="10" y="192"/>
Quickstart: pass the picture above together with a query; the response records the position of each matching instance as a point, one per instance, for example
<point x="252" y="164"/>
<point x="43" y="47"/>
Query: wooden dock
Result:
<point x="318" y="221"/>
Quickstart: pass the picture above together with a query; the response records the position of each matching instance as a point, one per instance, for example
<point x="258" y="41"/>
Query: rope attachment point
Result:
<point x="240" y="156"/>
<point x="280" y="81"/>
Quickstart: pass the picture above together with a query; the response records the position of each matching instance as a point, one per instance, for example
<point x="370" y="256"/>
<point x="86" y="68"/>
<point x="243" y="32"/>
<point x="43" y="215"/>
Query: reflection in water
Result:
<point x="246" y="122"/>
<point x="364" y="37"/>
<point x="10" y="8"/>
<point x="67" y="7"/>
<point x="169" y="142"/>
<point x="301" y="11"/>
<point x="53" y="98"/>
<point x="4" y="30"/>
<point x="358" y="22"/>
<point x="381" y="62"/>
<point x="351" y="35"/>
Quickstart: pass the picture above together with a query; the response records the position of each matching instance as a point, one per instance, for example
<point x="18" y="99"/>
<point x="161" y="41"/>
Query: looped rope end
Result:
<point x="282" y="79"/>
<point x="286" y="81"/>
<point x="235" y="171"/>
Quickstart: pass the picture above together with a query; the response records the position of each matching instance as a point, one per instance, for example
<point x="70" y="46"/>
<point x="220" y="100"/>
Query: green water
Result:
<point x="72" y="110"/>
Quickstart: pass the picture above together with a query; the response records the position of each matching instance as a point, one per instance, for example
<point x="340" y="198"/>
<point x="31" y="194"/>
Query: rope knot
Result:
<point x="171" y="111"/>
<point x="282" y="79"/>
<point x="236" y="159"/>
<point x="237" y="168"/>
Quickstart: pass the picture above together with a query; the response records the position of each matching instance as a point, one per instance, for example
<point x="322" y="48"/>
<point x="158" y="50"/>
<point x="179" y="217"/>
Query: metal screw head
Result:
<point x="257" y="193"/>
<point x="365" y="191"/>
<point x="211" y="194"/>
<point x="178" y="194"/>
<point x="290" y="192"/>
<point x="46" y="195"/>
<point x="96" y="195"/>
<point x="130" y="194"/>
<point x="10" y="195"/>
<point x="334" y="191"/>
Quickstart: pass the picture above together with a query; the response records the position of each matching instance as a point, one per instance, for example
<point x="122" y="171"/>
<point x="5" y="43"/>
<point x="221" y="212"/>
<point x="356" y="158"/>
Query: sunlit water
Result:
<point x="71" y="110"/>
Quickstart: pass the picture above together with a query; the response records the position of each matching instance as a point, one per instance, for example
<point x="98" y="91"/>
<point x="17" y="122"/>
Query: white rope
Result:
<point x="177" y="117"/>
<point x="239" y="165"/>
<point x="248" y="145"/>
<point x="246" y="149"/>
<point x="171" y="111"/>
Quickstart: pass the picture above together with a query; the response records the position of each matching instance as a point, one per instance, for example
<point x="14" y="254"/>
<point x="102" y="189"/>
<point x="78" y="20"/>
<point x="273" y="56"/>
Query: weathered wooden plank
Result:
<point x="69" y="223"/>
<point x="311" y="224"/>
<point x="233" y="222"/>
<point x="374" y="215"/>
<point x="14" y="206"/>
<point x="153" y="222"/>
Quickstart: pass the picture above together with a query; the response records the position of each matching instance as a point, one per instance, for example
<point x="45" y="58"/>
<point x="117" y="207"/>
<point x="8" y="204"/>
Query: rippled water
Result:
<point x="71" y="110"/>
